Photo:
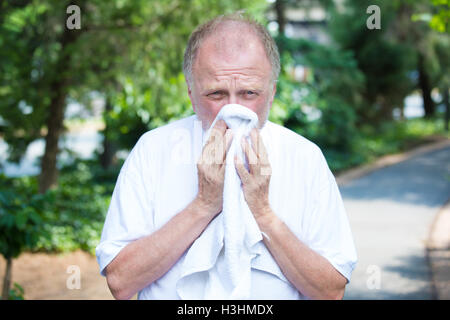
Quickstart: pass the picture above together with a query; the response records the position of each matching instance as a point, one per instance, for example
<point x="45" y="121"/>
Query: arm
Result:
<point x="145" y="260"/>
<point x="307" y="270"/>
<point x="312" y="275"/>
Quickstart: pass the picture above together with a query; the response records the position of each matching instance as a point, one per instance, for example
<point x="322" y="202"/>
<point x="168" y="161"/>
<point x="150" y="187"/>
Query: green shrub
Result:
<point x="21" y="215"/>
<point x="16" y="292"/>
<point x="77" y="207"/>
<point x="63" y="219"/>
<point x="21" y="221"/>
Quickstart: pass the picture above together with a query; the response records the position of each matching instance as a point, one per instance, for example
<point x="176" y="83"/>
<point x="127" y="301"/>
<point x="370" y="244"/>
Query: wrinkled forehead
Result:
<point x="235" y="47"/>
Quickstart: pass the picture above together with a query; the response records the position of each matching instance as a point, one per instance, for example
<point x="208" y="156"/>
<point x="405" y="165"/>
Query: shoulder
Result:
<point x="154" y="143"/>
<point x="298" y="155"/>
<point x="162" y="133"/>
<point x="291" y="140"/>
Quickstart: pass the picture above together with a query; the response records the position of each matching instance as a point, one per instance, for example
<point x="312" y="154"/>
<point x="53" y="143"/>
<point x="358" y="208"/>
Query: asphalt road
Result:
<point x="390" y="212"/>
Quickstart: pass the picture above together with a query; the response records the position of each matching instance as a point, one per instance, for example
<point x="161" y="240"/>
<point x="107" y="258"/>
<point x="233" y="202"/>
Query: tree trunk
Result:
<point x="447" y="107"/>
<point x="107" y="158"/>
<point x="7" y="279"/>
<point x="425" y="87"/>
<point x="281" y="18"/>
<point x="49" y="172"/>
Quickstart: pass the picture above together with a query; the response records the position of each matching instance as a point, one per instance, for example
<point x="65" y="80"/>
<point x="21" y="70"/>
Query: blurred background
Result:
<point x="73" y="102"/>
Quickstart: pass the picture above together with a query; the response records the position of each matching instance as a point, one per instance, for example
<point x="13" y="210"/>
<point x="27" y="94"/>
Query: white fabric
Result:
<point x="159" y="179"/>
<point x="230" y="242"/>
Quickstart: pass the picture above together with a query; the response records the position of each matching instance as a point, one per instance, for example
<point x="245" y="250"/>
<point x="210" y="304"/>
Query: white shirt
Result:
<point x="159" y="179"/>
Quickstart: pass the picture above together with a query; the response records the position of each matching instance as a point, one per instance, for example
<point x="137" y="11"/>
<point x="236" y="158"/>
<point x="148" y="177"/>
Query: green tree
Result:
<point x="155" y="93"/>
<point x="386" y="63"/>
<point x="437" y="15"/>
<point x="21" y="221"/>
<point x="120" y="42"/>
<point x="429" y="40"/>
<point x="332" y="87"/>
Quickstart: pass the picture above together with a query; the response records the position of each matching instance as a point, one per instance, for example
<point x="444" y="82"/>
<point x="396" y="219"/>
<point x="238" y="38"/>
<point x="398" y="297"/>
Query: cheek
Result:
<point x="210" y="108"/>
<point x="258" y="106"/>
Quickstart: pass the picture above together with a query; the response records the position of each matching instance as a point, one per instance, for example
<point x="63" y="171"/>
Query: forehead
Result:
<point x="234" y="49"/>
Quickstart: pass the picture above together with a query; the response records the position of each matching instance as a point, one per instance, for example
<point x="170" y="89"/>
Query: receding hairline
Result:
<point x="229" y="39"/>
<point x="222" y="24"/>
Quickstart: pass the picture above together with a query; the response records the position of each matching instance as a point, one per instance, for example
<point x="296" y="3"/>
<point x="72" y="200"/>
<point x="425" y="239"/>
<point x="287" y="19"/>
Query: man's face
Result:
<point x="231" y="67"/>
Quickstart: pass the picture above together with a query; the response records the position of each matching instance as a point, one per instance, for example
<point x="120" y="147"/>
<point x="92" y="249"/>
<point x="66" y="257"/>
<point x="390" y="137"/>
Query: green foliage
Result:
<point x="438" y="16"/>
<point x="139" y="109"/>
<point x="22" y="97"/>
<point x="131" y="52"/>
<point x="64" y="219"/>
<point x="121" y="44"/>
<point x="21" y="215"/>
<point x="332" y="89"/>
<point x="385" y="62"/>
<point x="388" y="138"/>
<point x="16" y="292"/>
<point x="77" y="208"/>
<point x="155" y="92"/>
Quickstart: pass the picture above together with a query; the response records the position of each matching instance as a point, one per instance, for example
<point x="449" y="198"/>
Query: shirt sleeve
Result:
<point x="130" y="213"/>
<point x="326" y="226"/>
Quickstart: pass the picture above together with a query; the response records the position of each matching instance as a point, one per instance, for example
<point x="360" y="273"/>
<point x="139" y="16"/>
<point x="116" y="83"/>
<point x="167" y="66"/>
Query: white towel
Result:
<point x="218" y="264"/>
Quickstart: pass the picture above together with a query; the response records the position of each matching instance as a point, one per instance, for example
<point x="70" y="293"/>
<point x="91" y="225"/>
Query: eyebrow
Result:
<point x="244" y="87"/>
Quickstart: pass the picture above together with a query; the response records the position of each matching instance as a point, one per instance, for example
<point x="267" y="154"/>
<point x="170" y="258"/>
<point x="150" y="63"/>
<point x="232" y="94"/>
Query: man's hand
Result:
<point x="255" y="183"/>
<point x="211" y="169"/>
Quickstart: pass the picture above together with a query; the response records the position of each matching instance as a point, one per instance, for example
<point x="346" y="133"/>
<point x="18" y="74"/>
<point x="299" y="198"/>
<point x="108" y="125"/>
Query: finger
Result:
<point x="208" y="152"/>
<point x="250" y="154"/>
<point x="228" y="140"/>
<point x="241" y="170"/>
<point x="221" y="146"/>
<point x="254" y="140"/>
<point x="220" y="127"/>
<point x="261" y="152"/>
<point x="257" y="140"/>
<point x="214" y="148"/>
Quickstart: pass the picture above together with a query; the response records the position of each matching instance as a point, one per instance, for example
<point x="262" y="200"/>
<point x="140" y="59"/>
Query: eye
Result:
<point x="215" y="94"/>
<point x="250" y="94"/>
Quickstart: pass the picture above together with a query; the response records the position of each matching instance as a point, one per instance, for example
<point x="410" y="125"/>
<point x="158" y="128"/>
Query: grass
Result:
<point x="390" y="138"/>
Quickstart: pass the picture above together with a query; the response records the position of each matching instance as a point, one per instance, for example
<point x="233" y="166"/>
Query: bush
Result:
<point x="16" y="292"/>
<point x="390" y="137"/>
<point x="77" y="207"/>
<point x="21" y="221"/>
<point x="63" y="219"/>
<point x="21" y="215"/>
<point x="331" y="89"/>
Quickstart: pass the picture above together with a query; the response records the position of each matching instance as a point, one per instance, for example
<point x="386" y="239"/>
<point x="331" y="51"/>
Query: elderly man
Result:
<point x="161" y="204"/>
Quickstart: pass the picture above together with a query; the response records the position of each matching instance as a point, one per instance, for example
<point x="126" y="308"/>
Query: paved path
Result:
<point x="391" y="211"/>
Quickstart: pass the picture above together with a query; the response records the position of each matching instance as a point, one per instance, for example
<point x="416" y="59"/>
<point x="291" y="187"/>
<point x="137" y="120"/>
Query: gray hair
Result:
<point x="208" y="28"/>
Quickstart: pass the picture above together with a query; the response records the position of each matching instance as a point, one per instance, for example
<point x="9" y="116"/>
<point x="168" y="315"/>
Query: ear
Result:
<point x="190" y="95"/>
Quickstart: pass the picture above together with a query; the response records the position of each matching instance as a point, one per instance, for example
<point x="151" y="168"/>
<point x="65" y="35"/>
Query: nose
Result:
<point x="232" y="99"/>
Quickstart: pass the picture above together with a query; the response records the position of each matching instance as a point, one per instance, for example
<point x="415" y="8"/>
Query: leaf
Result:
<point x="21" y="219"/>
<point x="9" y="221"/>
<point x="35" y="217"/>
